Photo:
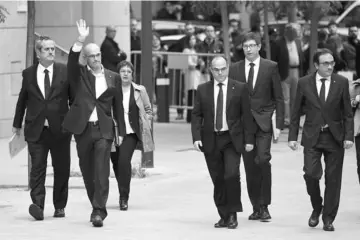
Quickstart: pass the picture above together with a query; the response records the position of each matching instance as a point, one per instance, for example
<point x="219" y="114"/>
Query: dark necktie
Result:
<point x="251" y="77"/>
<point x="47" y="84"/>
<point x="219" y="108"/>
<point x="322" y="91"/>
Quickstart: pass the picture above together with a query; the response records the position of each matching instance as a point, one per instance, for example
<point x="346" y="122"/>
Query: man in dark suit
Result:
<point x="287" y="53"/>
<point x="222" y="128"/>
<point x="98" y="94"/>
<point x="328" y="129"/>
<point x="45" y="95"/>
<point x="262" y="78"/>
<point x="111" y="54"/>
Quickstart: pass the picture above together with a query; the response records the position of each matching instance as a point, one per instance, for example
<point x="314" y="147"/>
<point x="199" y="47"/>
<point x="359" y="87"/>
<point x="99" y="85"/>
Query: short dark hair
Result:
<point x="128" y="64"/>
<point x="319" y="53"/>
<point x="252" y="36"/>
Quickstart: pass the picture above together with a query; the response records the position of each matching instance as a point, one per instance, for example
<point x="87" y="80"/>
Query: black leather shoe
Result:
<point x="36" y="212"/>
<point x="232" y="222"/>
<point x="328" y="226"/>
<point x="314" y="218"/>
<point x="123" y="205"/>
<point x="264" y="214"/>
<point x="221" y="224"/>
<point x="59" y="213"/>
<point x="97" y="221"/>
<point x="255" y="216"/>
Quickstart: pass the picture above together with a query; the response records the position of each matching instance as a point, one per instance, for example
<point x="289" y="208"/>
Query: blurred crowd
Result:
<point x="289" y="47"/>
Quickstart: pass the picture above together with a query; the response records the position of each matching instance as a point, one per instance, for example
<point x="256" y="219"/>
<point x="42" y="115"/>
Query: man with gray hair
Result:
<point x="97" y="105"/>
<point x="45" y="96"/>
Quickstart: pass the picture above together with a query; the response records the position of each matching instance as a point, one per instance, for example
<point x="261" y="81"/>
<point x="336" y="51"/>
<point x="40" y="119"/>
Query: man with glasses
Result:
<point x="263" y="81"/>
<point x="45" y="96"/>
<point x="98" y="94"/>
<point x="222" y="128"/>
<point x="328" y="130"/>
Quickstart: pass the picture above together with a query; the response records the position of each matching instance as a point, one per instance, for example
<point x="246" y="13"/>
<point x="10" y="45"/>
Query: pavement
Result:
<point x="174" y="200"/>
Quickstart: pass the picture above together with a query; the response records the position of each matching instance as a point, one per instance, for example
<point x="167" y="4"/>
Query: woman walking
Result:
<point x="137" y="115"/>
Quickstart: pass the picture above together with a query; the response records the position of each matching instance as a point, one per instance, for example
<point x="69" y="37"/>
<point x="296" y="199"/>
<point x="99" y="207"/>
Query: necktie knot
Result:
<point x="323" y="80"/>
<point x="220" y="85"/>
<point x="46" y="71"/>
<point x="252" y="64"/>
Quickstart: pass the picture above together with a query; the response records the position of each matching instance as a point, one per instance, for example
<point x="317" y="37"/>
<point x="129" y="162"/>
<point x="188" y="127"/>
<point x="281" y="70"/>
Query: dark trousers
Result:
<point x="357" y="145"/>
<point x="190" y="101"/>
<point x="224" y="167"/>
<point x="258" y="170"/>
<point x="60" y="155"/>
<point x="94" y="155"/>
<point x="333" y="157"/>
<point x="121" y="160"/>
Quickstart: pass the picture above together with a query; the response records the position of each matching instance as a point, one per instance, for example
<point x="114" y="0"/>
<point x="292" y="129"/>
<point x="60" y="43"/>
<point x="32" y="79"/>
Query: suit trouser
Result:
<point x="94" y="154"/>
<point x="224" y="167"/>
<point x="121" y="160"/>
<point x="333" y="158"/>
<point x="357" y="145"/>
<point x="60" y="155"/>
<point x="289" y="86"/>
<point x="258" y="170"/>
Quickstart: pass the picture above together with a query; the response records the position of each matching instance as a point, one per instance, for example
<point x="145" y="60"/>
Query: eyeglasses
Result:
<point x="250" y="46"/>
<point x="217" y="70"/>
<point x="93" y="56"/>
<point x="126" y="71"/>
<point x="328" y="64"/>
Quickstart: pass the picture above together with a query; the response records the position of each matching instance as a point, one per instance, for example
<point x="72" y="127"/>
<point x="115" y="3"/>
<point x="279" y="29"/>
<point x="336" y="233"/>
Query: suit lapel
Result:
<point x="261" y="73"/>
<point x="229" y="93"/>
<point x="35" y="83"/>
<point x="315" y="91"/>
<point x="90" y="81"/>
<point x="332" y="90"/>
<point x="54" y="81"/>
<point x="242" y="74"/>
<point x="210" y="93"/>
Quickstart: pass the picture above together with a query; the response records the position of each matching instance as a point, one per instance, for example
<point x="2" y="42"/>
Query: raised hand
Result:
<point x="83" y="30"/>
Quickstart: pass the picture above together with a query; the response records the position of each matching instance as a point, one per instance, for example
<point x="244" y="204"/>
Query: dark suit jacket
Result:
<point x="267" y="95"/>
<point x="83" y="81"/>
<point x="37" y="108"/>
<point x="238" y="115"/>
<point x="337" y="111"/>
<point x="109" y="54"/>
<point x="280" y="54"/>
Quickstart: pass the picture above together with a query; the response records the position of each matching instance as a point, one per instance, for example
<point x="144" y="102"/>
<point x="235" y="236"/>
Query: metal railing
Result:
<point x="183" y="76"/>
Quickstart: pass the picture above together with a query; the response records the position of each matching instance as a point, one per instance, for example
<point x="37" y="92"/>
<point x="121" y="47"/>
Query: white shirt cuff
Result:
<point x="76" y="48"/>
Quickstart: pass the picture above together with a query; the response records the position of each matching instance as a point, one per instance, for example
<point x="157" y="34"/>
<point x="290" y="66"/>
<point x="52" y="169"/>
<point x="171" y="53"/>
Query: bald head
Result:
<point x="110" y="32"/>
<point x="91" y="48"/>
<point x="93" y="56"/>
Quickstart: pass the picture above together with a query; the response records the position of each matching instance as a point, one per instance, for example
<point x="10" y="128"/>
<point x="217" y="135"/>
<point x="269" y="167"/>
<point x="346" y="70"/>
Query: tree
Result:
<point x="3" y="13"/>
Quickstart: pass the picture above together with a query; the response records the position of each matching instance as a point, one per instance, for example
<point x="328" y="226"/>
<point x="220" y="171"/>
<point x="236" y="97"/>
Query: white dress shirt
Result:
<point x="100" y="88"/>
<point x="319" y="83"/>
<point x="126" y="101"/>
<point x="256" y="69"/>
<point x="216" y="93"/>
<point x="40" y="75"/>
<point x="100" y="84"/>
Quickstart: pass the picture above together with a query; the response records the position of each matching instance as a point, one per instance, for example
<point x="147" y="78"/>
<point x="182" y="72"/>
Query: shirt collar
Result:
<point x="50" y="68"/>
<point x="318" y="77"/>
<point x="95" y="74"/>
<point x="256" y="62"/>
<point x="225" y="82"/>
